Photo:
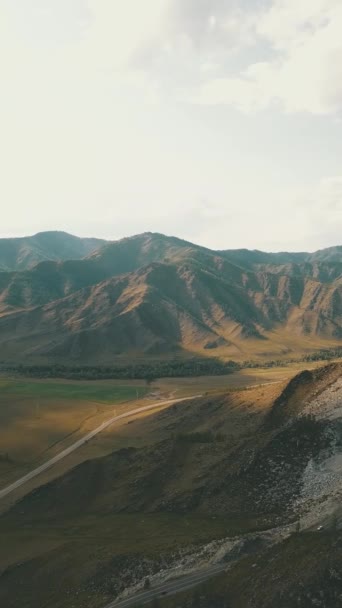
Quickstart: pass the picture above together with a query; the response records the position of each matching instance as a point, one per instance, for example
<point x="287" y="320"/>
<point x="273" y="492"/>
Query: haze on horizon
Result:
<point x="217" y="121"/>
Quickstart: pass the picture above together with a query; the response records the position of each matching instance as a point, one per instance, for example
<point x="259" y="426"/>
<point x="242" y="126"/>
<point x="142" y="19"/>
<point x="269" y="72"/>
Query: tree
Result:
<point x="149" y="378"/>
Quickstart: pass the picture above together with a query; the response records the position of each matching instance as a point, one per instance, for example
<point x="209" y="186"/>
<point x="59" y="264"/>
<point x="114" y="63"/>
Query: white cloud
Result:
<point x="191" y="36"/>
<point x="303" y="72"/>
<point x="82" y="147"/>
<point x="247" y="54"/>
<point x="252" y="55"/>
<point x="288" y="22"/>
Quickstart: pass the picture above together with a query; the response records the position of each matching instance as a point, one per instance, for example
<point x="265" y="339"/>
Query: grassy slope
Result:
<point x="86" y="391"/>
<point x="101" y="522"/>
<point x="33" y="429"/>
<point x="38" y="418"/>
<point x="81" y="548"/>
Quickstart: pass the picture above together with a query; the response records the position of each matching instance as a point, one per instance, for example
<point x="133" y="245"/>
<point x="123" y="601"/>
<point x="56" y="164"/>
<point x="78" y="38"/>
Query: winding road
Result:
<point x="75" y="446"/>
<point x="169" y="587"/>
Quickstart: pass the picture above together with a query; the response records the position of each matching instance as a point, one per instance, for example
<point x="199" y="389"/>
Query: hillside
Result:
<point x="218" y="479"/>
<point x="153" y="294"/>
<point x="249" y="258"/>
<point x="25" y="252"/>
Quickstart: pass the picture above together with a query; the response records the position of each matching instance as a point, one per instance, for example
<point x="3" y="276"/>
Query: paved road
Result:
<point x="170" y="587"/>
<point x="47" y="465"/>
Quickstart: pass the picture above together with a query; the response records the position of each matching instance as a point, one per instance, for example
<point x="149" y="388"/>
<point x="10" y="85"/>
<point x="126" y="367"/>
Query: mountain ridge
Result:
<point x="153" y="294"/>
<point x="22" y="253"/>
<point x="88" y="245"/>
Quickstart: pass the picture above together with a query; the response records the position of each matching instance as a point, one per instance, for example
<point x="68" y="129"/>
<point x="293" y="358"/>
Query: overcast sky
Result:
<point x="218" y="121"/>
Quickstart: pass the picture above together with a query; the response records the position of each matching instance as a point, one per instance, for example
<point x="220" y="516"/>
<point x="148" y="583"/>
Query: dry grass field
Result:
<point x="39" y="418"/>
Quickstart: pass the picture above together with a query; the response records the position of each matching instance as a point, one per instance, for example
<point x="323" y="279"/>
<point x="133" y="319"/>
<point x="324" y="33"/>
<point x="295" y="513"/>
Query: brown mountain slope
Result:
<point x="214" y="464"/>
<point x="163" y="308"/>
<point x="52" y="280"/>
<point x="159" y="308"/>
<point x="67" y="263"/>
<point x="151" y="294"/>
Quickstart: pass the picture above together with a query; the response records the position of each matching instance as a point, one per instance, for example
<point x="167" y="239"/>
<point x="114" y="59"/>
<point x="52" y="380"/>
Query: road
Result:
<point x="75" y="446"/>
<point x="170" y="587"/>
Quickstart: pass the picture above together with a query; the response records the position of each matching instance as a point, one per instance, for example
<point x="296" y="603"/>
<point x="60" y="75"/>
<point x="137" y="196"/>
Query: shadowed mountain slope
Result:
<point x="249" y="258"/>
<point x="151" y="293"/>
<point x="25" y="252"/>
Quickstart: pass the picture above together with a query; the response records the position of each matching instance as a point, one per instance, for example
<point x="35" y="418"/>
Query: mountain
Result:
<point x="249" y="479"/>
<point x="249" y="258"/>
<point x="25" y="252"/>
<point x="153" y="294"/>
<point x="331" y="254"/>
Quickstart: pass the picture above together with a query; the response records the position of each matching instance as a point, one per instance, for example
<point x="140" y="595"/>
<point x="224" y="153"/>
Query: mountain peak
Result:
<point x="23" y="253"/>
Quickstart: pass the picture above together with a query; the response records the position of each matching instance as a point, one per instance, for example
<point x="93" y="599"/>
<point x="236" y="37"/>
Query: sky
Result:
<point x="218" y="121"/>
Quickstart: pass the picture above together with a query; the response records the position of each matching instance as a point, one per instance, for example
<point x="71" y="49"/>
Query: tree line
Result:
<point x="148" y="371"/>
<point x="327" y="354"/>
<point x="154" y="369"/>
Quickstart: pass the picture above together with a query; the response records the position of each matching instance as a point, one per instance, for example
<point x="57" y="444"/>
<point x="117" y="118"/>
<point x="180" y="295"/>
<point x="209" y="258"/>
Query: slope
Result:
<point x="249" y="258"/>
<point x="208" y="469"/>
<point x="153" y="294"/>
<point x="25" y="252"/>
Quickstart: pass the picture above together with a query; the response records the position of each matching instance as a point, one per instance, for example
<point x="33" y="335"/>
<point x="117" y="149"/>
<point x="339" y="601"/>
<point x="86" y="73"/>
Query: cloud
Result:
<point x="83" y="148"/>
<point x="251" y="54"/>
<point x="210" y="24"/>
<point x="305" y="75"/>
<point x="195" y="38"/>
<point x="280" y="53"/>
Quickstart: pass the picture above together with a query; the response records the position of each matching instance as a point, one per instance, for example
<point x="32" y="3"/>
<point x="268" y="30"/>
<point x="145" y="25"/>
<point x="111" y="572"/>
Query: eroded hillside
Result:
<point x="153" y="294"/>
<point x="247" y="464"/>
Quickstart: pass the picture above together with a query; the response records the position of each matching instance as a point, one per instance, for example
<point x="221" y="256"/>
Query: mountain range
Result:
<point x="68" y="299"/>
